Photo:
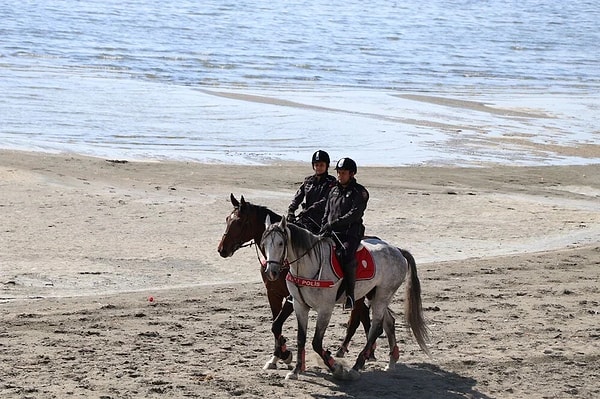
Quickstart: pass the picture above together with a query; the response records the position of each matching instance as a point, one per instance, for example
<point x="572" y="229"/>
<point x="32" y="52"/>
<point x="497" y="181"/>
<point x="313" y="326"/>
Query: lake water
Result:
<point x="385" y="82"/>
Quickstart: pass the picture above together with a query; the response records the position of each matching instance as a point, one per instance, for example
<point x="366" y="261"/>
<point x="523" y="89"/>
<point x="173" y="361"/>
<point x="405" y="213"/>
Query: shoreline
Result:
<point x="375" y="127"/>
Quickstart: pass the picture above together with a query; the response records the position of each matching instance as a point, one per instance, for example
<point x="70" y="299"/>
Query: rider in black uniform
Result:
<point x="346" y="205"/>
<point x="313" y="191"/>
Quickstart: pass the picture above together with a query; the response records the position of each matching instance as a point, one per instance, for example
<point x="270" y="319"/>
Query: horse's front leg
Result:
<point x="323" y="318"/>
<point x="301" y="310"/>
<point x="280" y="352"/>
<point x="353" y="323"/>
<point x="365" y="319"/>
<point x="281" y="308"/>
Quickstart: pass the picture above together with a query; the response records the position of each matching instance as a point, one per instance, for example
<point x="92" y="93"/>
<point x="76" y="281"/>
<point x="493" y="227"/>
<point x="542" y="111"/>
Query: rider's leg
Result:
<point x="350" y="246"/>
<point x="350" y="277"/>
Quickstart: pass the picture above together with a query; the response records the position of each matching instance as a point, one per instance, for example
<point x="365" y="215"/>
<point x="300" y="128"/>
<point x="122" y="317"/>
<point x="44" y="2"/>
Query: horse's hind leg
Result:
<point x="375" y="331"/>
<point x="389" y="326"/>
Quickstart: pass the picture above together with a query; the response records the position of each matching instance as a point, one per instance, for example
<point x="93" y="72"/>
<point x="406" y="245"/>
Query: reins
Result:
<point x="307" y="251"/>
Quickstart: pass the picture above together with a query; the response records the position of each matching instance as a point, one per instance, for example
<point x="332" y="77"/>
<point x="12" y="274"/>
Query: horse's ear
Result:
<point x="267" y="221"/>
<point x="234" y="201"/>
<point x="283" y="223"/>
<point x="242" y="201"/>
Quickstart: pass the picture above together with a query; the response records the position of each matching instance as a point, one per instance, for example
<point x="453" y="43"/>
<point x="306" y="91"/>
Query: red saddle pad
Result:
<point x="365" y="269"/>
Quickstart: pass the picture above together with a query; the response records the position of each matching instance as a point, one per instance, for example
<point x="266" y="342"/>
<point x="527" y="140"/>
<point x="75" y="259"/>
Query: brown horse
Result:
<point x="245" y="227"/>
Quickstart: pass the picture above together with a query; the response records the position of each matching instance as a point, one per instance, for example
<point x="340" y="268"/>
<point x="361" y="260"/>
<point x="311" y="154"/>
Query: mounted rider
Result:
<point x="343" y="218"/>
<point x="313" y="191"/>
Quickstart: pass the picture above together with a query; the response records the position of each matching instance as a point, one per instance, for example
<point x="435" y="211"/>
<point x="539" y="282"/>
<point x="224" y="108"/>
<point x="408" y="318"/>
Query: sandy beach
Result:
<point x="508" y="259"/>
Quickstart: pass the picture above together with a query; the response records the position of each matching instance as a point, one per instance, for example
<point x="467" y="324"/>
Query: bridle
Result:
<point x="268" y="232"/>
<point x="245" y="222"/>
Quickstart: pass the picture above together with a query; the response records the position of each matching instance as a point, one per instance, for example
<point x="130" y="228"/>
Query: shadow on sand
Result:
<point x="414" y="381"/>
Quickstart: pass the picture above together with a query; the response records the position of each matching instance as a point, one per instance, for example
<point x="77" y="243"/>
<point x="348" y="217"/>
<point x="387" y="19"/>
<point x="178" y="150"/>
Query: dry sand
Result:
<point x="508" y="258"/>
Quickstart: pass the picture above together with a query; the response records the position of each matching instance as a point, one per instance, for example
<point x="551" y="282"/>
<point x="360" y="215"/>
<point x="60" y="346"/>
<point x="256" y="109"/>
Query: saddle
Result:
<point x="365" y="266"/>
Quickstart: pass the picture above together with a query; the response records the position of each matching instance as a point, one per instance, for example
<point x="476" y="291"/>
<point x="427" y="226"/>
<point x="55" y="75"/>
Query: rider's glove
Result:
<point x="291" y="217"/>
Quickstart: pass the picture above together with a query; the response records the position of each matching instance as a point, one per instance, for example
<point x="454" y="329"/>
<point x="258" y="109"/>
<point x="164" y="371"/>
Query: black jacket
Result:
<point x="345" y="209"/>
<point x="314" y="192"/>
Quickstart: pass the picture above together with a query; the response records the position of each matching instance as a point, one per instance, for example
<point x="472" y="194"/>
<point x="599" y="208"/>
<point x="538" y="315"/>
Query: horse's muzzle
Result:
<point x="223" y="253"/>
<point x="226" y="251"/>
<point x="272" y="270"/>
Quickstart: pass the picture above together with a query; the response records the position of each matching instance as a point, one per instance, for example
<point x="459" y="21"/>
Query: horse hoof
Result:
<point x="289" y="358"/>
<point x="341" y="352"/>
<point x="270" y="366"/>
<point x="291" y="376"/>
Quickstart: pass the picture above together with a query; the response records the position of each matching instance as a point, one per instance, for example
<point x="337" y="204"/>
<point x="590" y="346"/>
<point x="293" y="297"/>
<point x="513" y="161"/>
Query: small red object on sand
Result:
<point x="150" y="299"/>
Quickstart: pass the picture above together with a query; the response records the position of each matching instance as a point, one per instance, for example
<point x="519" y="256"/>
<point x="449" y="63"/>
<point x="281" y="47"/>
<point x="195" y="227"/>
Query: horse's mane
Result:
<point x="303" y="239"/>
<point x="262" y="211"/>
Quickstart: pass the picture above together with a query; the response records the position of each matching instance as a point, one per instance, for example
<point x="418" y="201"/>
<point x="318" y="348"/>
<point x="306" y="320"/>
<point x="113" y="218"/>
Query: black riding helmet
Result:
<point x="346" y="164"/>
<point x="321" y="156"/>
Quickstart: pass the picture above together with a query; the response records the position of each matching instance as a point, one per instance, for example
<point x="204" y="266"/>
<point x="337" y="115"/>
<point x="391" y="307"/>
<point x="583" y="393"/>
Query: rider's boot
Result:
<point x="350" y="277"/>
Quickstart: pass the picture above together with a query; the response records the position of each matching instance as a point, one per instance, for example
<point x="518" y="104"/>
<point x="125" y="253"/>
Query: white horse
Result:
<point x="314" y="284"/>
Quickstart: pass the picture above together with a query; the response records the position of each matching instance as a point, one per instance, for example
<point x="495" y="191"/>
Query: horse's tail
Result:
<point x="413" y="310"/>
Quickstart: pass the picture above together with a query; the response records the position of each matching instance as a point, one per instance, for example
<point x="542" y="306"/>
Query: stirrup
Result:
<point x="349" y="305"/>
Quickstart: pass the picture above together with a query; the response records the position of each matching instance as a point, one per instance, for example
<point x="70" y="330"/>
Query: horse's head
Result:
<point x="239" y="229"/>
<point x="274" y="245"/>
